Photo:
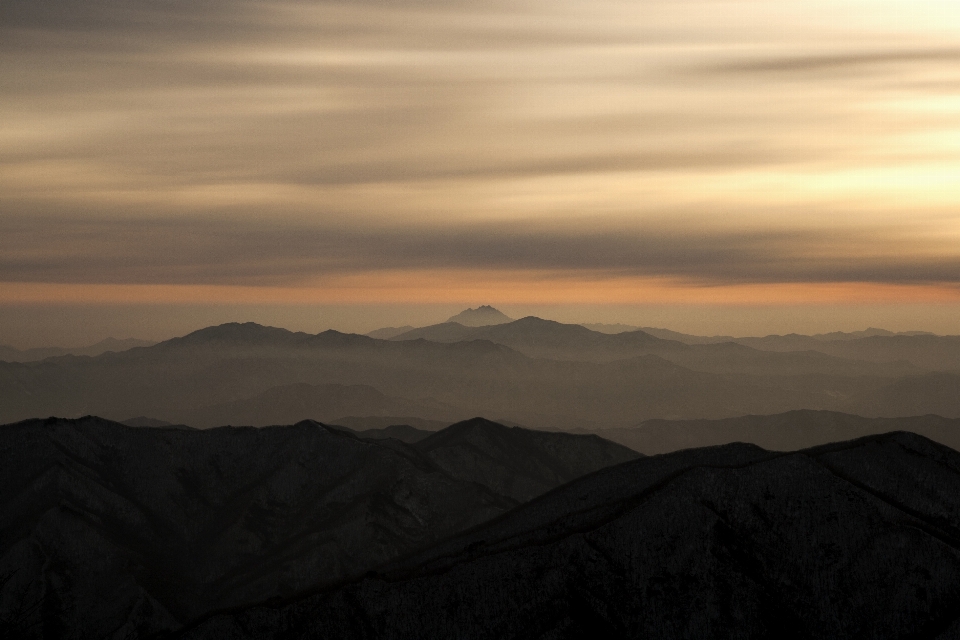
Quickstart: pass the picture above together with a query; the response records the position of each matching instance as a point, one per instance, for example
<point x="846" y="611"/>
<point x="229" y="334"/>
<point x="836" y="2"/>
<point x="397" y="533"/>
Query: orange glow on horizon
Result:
<point x="465" y="286"/>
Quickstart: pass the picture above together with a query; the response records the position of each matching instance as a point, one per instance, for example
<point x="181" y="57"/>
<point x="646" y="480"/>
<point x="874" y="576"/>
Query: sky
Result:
<point x="717" y="166"/>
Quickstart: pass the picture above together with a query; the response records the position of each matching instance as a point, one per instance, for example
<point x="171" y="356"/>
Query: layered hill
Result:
<point x="540" y="338"/>
<point x="921" y="349"/>
<point x="109" y="531"/>
<point x="789" y="431"/>
<point x="325" y="403"/>
<point x="11" y="354"/>
<point x="852" y="540"/>
<point x="232" y="366"/>
<point x="250" y="374"/>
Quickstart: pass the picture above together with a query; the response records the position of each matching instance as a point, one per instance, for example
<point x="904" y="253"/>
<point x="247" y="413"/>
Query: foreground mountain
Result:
<point x="852" y="540"/>
<point x="781" y="432"/>
<point x="10" y="354"/>
<point x="108" y="531"/>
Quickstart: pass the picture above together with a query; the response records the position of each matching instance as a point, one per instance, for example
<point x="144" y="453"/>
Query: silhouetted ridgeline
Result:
<point x="782" y="432"/>
<point x="109" y="531"/>
<point x="532" y="372"/>
<point x="852" y="540"/>
<point x="10" y="354"/>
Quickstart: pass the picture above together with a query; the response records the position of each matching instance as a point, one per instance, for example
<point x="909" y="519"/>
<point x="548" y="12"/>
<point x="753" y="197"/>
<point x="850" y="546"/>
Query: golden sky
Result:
<point x="798" y="153"/>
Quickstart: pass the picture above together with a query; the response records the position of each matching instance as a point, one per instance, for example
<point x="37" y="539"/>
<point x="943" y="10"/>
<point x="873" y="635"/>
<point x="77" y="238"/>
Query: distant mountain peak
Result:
<point x="481" y="317"/>
<point x="235" y="332"/>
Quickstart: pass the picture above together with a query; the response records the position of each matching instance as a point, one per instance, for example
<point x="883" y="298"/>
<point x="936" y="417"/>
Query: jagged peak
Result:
<point x="482" y="316"/>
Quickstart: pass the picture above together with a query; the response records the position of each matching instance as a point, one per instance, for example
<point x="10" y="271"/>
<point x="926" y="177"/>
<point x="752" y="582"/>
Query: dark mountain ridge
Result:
<point x="110" y="531"/>
<point x="850" y="540"/>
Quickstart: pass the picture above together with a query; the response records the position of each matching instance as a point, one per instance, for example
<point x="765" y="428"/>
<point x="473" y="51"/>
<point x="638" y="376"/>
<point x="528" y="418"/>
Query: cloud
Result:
<point x="264" y="254"/>
<point x="851" y="61"/>
<point x="270" y="143"/>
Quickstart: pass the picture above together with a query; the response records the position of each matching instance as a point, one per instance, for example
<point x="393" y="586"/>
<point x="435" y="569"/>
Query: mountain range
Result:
<point x="109" y="531"/>
<point x="533" y="372"/>
<point x="11" y="354"/>
<point x="671" y="486"/>
<point x="478" y="530"/>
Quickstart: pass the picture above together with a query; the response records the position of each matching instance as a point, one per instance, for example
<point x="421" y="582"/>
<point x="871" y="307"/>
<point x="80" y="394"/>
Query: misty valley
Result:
<point x="482" y="478"/>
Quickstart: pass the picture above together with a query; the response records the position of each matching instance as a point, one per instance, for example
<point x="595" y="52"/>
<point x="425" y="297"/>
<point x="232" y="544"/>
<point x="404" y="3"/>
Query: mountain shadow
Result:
<point x="109" y="531"/>
<point x="852" y="540"/>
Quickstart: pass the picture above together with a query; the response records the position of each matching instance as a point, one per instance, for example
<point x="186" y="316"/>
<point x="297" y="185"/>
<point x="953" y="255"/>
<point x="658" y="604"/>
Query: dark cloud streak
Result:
<point x="211" y="252"/>
<point x="851" y="62"/>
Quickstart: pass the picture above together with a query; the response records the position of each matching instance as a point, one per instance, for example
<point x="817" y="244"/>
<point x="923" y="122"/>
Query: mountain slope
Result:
<point x="110" y="531"/>
<point x="515" y="462"/>
<point x="101" y="521"/>
<point x="860" y="539"/>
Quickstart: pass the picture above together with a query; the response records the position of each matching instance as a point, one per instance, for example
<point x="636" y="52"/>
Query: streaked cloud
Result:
<point x="279" y="144"/>
<point x="260" y="253"/>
